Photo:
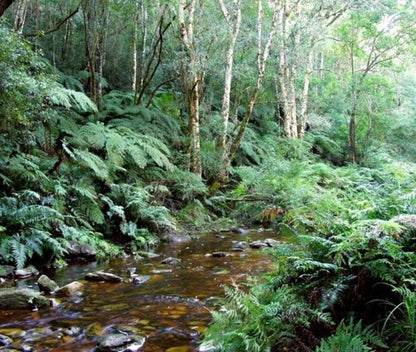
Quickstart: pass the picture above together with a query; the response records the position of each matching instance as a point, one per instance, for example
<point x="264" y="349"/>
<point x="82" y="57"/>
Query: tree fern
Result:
<point x="68" y="98"/>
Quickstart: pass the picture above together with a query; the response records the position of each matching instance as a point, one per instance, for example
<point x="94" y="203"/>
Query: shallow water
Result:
<point x="172" y="309"/>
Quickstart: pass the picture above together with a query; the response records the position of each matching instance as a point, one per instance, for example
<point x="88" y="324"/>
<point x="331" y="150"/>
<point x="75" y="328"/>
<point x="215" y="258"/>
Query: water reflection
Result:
<point x="171" y="309"/>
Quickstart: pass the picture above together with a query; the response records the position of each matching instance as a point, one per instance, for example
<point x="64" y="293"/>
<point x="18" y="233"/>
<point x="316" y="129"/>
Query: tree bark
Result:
<point x="234" y="29"/>
<point x="20" y="18"/>
<point x="191" y="82"/>
<point x="305" y="95"/>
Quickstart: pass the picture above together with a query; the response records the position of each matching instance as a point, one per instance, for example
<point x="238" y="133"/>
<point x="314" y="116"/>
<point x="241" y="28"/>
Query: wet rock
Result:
<point x="26" y="272"/>
<point x="120" y="342"/>
<point x="23" y="298"/>
<point x="220" y="254"/>
<point x="13" y="333"/>
<point x="26" y="348"/>
<point x="74" y="288"/>
<point x="131" y="271"/>
<point x="94" y="329"/>
<point x="239" y="230"/>
<point x="240" y="246"/>
<point x="140" y="279"/>
<point x="171" y="261"/>
<point x="257" y="244"/>
<point x="46" y="284"/>
<point x="171" y="234"/>
<point x="149" y="255"/>
<point x="5" y="340"/>
<point x="207" y="346"/>
<point x="162" y="271"/>
<point x="73" y="331"/>
<point x="271" y="242"/>
<point x="103" y="276"/>
<point x="79" y="251"/>
<point x="6" y="271"/>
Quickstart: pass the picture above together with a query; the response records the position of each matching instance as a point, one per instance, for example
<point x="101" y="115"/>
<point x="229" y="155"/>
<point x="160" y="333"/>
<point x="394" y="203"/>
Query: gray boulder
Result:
<point x="46" y="284"/>
<point x="79" y="251"/>
<point x="26" y="272"/>
<point x="118" y="342"/>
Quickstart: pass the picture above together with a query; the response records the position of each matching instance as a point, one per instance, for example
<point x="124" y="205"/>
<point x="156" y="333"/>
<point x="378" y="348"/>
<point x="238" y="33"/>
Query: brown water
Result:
<point x="172" y="309"/>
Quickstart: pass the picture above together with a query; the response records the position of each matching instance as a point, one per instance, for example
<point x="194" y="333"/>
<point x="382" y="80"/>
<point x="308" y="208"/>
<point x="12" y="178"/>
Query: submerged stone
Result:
<point x="103" y="276"/>
<point x="120" y="342"/>
<point x="140" y="279"/>
<point x="171" y="261"/>
<point x="23" y="298"/>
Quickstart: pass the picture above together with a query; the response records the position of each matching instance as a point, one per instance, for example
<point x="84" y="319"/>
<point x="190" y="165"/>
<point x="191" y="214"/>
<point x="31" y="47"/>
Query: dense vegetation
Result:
<point x="122" y="121"/>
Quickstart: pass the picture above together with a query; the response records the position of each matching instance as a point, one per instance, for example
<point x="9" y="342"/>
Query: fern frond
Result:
<point x="68" y="98"/>
<point x="93" y="162"/>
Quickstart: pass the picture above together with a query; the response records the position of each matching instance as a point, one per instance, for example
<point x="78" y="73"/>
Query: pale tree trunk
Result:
<point x="305" y="95"/>
<point x="135" y="63"/>
<point x="20" y="17"/>
<point x="191" y="82"/>
<point x="102" y="47"/>
<point x="234" y="29"/>
<point x="288" y="74"/>
<point x="262" y="57"/>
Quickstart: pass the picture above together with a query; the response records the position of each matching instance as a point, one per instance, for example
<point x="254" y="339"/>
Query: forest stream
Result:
<point x="171" y="309"/>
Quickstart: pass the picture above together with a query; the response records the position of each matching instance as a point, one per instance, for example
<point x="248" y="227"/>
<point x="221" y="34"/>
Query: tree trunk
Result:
<point x="20" y="18"/>
<point x="234" y="29"/>
<point x="305" y="95"/>
<point x="352" y="139"/>
<point x="135" y="63"/>
<point x="191" y="82"/>
<point x="262" y="57"/>
<point x="4" y="4"/>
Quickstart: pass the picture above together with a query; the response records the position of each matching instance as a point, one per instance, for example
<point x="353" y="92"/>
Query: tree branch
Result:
<point x="59" y="25"/>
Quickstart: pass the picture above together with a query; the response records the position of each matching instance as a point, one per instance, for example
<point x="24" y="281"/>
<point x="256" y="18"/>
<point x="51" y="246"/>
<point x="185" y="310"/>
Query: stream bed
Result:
<point x="171" y="309"/>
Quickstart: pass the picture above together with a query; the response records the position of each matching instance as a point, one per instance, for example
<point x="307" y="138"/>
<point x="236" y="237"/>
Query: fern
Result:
<point x="351" y="338"/>
<point x="68" y="98"/>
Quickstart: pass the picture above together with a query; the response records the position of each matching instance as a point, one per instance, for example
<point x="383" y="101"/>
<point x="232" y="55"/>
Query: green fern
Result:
<point x="352" y="338"/>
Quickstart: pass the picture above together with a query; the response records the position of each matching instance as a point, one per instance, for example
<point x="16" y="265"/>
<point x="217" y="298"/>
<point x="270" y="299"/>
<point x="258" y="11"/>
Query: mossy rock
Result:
<point x="23" y="298"/>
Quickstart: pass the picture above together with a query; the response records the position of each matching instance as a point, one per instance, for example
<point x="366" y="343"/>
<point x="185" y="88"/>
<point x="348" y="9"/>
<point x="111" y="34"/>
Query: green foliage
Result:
<point x="352" y="337"/>
<point x="253" y="321"/>
<point x="400" y="324"/>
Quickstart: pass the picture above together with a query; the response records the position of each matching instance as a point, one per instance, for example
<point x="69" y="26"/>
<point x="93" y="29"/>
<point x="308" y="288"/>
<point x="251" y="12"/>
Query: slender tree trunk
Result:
<point x="262" y="57"/>
<point x="352" y="138"/>
<point x="90" y="46"/>
<point x="234" y="29"/>
<point x="102" y="48"/>
<point x="305" y="95"/>
<point x="191" y="81"/>
<point x="20" y="18"/>
<point x="135" y="63"/>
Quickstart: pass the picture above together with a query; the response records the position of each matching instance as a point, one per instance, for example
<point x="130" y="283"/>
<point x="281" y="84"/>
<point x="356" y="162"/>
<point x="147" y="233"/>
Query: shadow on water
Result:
<point x="171" y="309"/>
